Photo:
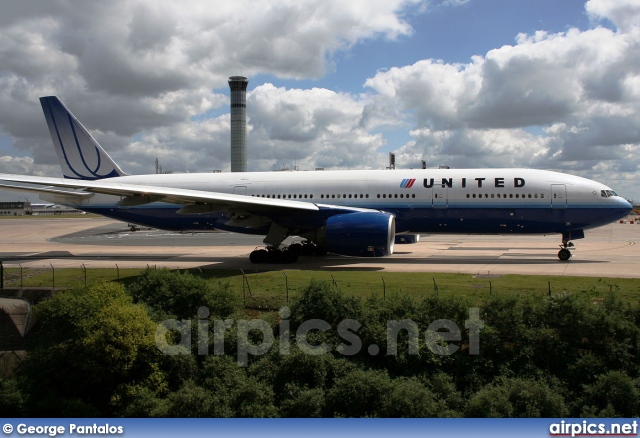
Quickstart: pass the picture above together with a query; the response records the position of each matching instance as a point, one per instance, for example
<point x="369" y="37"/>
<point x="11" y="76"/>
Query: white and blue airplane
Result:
<point x="353" y="213"/>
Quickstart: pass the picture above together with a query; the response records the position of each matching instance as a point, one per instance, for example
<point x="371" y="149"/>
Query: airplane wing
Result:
<point x="195" y="201"/>
<point x="45" y="190"/>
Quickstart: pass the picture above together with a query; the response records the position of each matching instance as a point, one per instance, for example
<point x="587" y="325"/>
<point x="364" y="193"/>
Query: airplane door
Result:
<point x="439" y="197"/>
<point x="240" y="190"/>
<point x="558" y="196"/>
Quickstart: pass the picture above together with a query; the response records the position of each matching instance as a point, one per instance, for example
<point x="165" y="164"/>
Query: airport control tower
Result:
<point x="238" y="86"/>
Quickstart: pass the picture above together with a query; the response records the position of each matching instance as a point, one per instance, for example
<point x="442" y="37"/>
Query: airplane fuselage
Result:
<point x="483" y="201"/>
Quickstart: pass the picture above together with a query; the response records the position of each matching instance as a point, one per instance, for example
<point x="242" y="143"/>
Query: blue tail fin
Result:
<point x="80" y="155"/>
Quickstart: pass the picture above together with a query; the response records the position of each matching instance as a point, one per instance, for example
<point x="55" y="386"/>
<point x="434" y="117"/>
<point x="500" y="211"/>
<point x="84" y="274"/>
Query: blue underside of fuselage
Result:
<point x="454" y="220"/>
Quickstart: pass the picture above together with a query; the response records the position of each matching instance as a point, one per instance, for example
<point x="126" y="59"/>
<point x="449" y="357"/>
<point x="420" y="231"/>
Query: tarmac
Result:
<point x="608" y="251"/>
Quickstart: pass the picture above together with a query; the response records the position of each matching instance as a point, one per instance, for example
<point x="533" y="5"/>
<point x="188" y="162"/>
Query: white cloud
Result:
<point x="580" y="88"/>
<point x="197" y="146"/>
<point x="140" y="74"/>
<point x="145" y="68"/>
<point x="623" y="13"/>
<point x="313" y="128"/>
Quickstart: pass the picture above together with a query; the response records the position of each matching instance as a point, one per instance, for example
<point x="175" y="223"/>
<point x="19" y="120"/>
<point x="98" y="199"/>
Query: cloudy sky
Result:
<point x="467" y="83"/>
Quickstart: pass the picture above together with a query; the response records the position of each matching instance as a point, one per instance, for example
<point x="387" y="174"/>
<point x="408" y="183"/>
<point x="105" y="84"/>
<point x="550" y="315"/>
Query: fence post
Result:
<point x="84" y="269"/>
<point x="435" y="286"/>
<point x="245" y="280"/>
<point x="53" y="277"/>
<point x="384" y="289"/>
<point x="118" y="270"/>
<point x="21" y="277"/>
<point x="244" y="298"/>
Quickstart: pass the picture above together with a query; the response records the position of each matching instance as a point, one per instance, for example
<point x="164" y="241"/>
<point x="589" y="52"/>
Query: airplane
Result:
<point x="359" y="213"/>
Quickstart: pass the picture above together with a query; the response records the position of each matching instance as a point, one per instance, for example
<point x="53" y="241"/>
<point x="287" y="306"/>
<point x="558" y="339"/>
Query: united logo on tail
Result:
<point x="80" y="155"/>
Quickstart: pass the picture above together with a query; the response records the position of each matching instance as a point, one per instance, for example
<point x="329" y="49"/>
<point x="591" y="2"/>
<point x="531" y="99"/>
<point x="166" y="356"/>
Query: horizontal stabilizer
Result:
<point x="45" y="190"/>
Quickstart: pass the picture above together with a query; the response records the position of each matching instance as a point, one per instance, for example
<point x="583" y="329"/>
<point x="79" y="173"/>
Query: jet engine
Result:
<point x="361" y="234"/>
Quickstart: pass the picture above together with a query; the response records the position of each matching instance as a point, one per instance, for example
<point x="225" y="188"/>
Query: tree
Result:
<point x="190" y="401"/>
<point x="96" y="353"/>
<point x="302" y="402"/>
<point x="321" y="300"/>
<point x="613" y="394"/>
<point x="172" y="294"/>
<point x="409" y="398"/>
<point x="516" y="397"/>
<point x="12" y="399"/>
<point x="359" y="394"/>
<point x="303" y="371"/>
<point x="147" y="403"/>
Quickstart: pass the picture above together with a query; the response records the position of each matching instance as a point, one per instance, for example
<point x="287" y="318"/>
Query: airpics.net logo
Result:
<point x="256" y="337"/>
<point x="590" y="428"/>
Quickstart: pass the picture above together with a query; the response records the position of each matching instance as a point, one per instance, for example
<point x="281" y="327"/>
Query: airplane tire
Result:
<point x="261" y="256"/>
<point x="295" y="248"/>
<point x="258" y="256"/>
<point x="564" y="254"/>
<point x="288" y="256"/>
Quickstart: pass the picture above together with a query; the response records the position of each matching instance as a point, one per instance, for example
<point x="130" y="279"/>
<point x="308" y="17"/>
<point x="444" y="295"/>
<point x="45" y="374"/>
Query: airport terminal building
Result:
<point x="28" y="209"/>
<point x="15" y="208"/>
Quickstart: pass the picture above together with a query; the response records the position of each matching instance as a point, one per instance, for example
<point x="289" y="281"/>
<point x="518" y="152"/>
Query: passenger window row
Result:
<point x="285" y="196"/>
<point x="411" y="195"/>
<point x="396" y="196"/>
<point x="505" y="196"/>
<point x="344" y="196"/>
<point x="338" y="196"/>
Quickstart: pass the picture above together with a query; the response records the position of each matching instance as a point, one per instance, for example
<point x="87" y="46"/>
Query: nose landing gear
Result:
<point x="567" y="236"/>
<point x="565" y="254"/>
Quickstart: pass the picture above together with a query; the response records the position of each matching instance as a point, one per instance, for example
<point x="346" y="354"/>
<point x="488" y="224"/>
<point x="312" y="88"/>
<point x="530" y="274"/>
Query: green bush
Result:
<point x="517" y="398"/>
<point x="613" y="394"/>
<point x="96" y="352"/>
<point x="361" y="393"/>
<point x="172" y="294"/>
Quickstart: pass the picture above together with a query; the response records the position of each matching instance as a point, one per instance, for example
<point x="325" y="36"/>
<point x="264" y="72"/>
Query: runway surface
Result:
<point x="609" y="251"/>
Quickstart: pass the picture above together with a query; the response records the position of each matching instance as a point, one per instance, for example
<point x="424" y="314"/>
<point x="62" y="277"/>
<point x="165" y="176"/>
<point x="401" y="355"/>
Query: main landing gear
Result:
<point x="565" y="254"/>
<point x="272" y="254"/>
<point x="290" y="254"/>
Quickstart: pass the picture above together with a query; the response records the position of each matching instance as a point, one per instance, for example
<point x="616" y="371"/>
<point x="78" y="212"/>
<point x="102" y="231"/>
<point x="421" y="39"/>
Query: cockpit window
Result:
<point x="604" y="194"/>
<point x="612" y="193"/>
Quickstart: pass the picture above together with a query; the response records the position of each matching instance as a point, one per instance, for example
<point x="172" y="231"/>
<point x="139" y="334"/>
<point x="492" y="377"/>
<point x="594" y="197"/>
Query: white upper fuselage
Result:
<point x="471" y="188"/>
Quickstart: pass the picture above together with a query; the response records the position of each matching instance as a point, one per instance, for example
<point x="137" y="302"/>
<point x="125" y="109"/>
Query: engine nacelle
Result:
<point x="361" y="234"/>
